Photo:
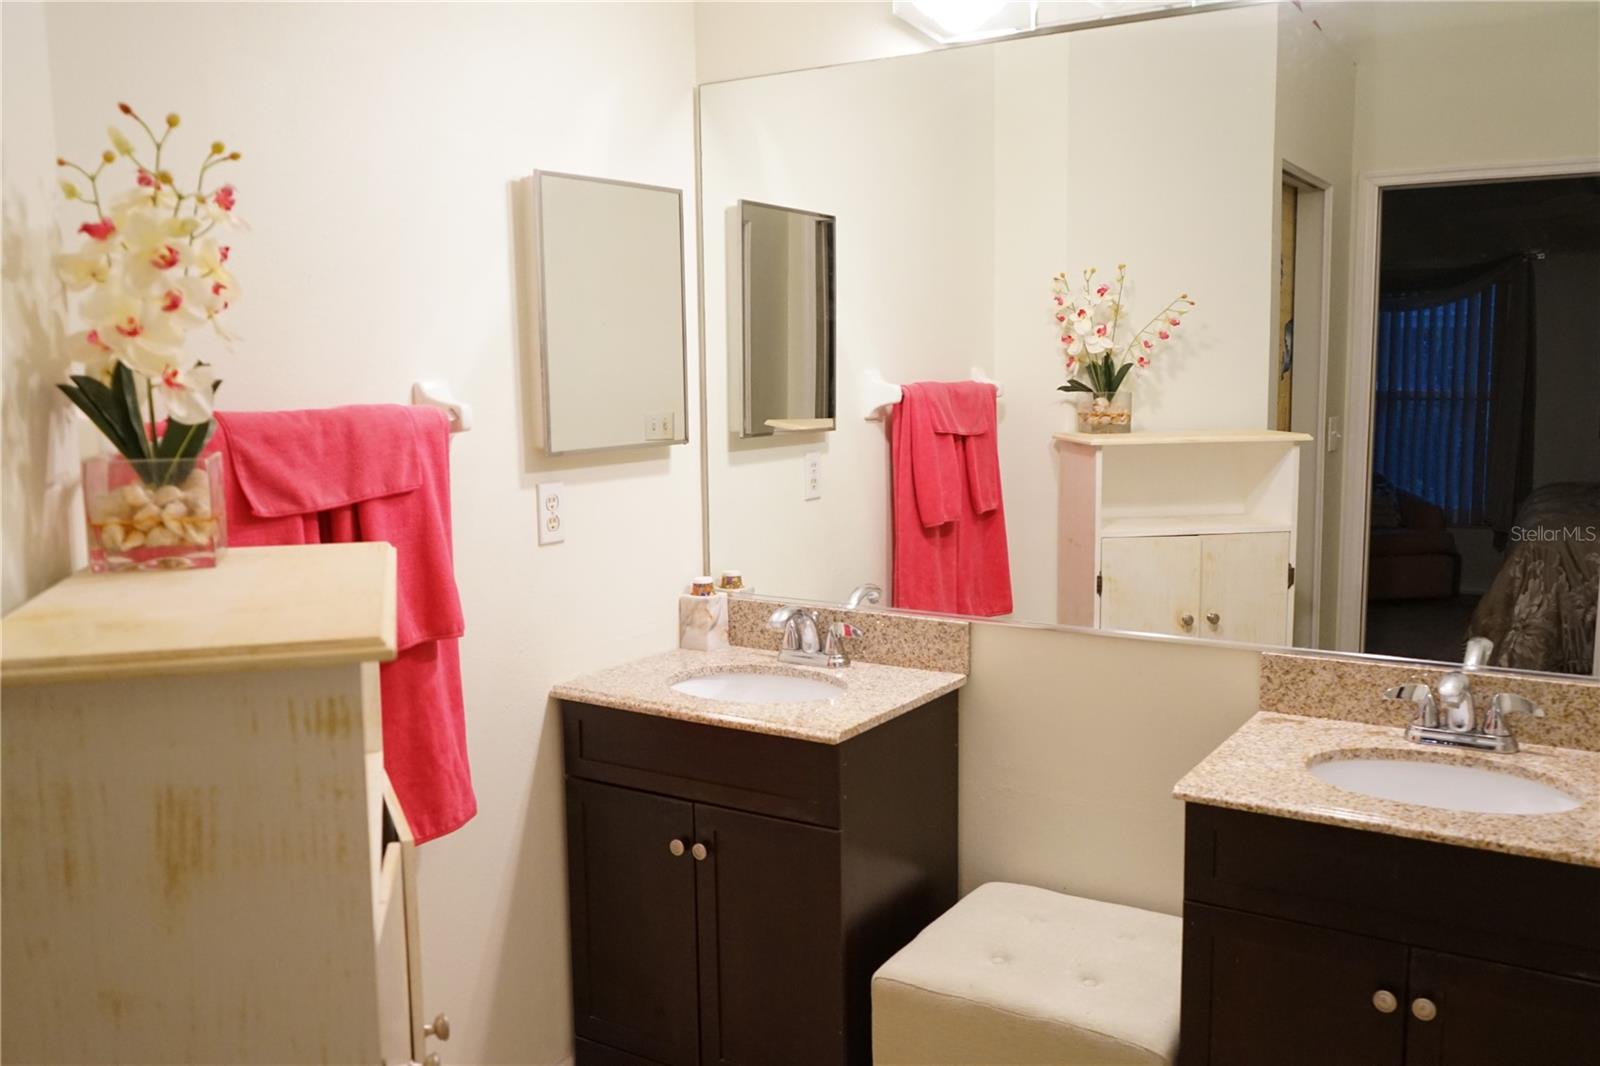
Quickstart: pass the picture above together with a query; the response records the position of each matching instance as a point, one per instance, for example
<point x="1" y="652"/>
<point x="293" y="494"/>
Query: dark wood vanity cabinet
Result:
<point x="731" y="893"/>
<point x="1293" y="932"/>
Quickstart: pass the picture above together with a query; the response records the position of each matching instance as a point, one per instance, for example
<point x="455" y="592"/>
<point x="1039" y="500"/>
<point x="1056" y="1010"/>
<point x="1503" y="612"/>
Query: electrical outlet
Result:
<point x="813" y="475"/>
<point x="552" y="518"/>
<point x="659" y="426"/>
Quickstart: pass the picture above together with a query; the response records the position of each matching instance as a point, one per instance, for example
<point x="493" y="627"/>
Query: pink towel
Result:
<point x="950" y="552"/>
<point x="379" y="472"/>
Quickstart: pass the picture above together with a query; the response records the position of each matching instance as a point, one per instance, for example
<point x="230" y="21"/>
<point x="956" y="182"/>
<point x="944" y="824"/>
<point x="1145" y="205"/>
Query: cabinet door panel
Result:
<point x="1263" y="992"/>
<point x="1489" y="1015"/>
<point x="1244" y="583"/>
<point x="1148" y="584"/>
<point x="771" y="948"/>
<point x="633" y="922"/>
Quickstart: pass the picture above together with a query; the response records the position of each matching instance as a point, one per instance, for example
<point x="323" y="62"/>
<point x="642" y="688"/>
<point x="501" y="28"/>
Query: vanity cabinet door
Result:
<point x="632" y="903"/>
<point x="1150" y="584"/>
<point x="771" y="941"/>
<point x="1244" y="587"/>
<point x="1488" y="1014"/>
<point x="1264" y="992"/>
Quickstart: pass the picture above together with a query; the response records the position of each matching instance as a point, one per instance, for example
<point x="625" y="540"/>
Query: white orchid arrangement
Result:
<point x="1087" y="319"/>
<point x="153" y="269"/>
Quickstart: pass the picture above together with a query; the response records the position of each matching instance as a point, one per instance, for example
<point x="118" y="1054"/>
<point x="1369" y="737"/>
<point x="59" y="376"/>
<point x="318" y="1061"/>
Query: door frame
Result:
<point x="1356" y="486"/>
<point x="1313" y="281"/>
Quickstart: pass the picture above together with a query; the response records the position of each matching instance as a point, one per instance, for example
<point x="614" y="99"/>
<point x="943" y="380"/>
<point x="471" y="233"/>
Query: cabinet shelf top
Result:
<point x="259" y="608"/>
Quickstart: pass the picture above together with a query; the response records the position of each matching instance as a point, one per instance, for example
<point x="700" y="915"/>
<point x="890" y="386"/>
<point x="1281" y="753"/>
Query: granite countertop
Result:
<point x="1264" y="768"/>
<point x="871" y="694"/>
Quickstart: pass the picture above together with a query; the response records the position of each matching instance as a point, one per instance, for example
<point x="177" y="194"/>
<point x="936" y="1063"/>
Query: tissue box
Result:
<point x="703" y="622"/>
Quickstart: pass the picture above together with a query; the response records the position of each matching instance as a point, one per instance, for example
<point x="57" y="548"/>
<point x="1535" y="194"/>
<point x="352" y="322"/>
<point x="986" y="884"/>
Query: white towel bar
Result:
<point x="879" y="395"/>
<point x="436" y="393"/>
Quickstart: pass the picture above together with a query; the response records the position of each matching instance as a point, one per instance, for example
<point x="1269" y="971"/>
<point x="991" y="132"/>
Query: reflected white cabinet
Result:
<point x="203" y="859"/>
<point x="1188" y="534"/>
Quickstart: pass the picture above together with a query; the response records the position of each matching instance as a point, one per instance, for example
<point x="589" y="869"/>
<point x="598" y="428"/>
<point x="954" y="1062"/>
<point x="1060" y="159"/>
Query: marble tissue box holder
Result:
<point x="703" y="622"/>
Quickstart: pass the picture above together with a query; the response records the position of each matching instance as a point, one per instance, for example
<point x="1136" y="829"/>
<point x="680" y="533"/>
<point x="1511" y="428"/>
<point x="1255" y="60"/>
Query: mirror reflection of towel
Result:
<point x="950" y="552"/>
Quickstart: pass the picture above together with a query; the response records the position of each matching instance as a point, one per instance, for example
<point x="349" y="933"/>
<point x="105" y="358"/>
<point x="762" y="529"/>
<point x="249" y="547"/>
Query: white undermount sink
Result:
<point x="758" y="688"/>
<point x="1448" y="786"/>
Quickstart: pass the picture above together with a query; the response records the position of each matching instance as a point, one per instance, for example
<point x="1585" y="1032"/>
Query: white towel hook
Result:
<point x="436" y="393"/>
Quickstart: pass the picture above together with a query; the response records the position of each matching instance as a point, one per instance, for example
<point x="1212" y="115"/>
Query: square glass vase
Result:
<point x="154" y="514"/>
<point x="1100" y="413"/>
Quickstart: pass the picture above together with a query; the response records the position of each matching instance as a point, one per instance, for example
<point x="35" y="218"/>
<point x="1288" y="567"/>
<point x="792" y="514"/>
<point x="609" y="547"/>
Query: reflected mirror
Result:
<point x="609" y="293"/>
<point x="785" y="384"/>
<point x="1291" y="307"/>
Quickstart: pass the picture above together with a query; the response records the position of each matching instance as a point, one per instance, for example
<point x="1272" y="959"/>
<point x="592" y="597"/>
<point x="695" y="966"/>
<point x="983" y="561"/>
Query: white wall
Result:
<point x="1070" y="745"/>
<point x="744" y="38"/>
<point x="379" y="143"/>
<point x="39" y="458"/>
<point x="963" y="180"/>
<point x="1443" y="85"/>
<point x="1315" y="140"/>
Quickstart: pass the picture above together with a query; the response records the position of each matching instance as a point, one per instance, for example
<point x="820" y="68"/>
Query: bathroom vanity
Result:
<point x="738" y="871"/>
<point x="1323" y="926"/>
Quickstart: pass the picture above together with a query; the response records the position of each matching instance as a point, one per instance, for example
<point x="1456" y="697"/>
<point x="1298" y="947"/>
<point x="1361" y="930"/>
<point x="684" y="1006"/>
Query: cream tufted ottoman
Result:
<point x="1021" y="976"/>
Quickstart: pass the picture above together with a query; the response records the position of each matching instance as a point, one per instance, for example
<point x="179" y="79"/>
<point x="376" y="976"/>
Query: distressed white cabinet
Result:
<point x="1187" y="534"/>
<point x="203" y="860"/>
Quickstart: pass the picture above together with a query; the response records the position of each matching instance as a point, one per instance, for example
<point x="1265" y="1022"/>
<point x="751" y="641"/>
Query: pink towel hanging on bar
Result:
<point x="950" y="551"/>
<point x="365" y="473"/>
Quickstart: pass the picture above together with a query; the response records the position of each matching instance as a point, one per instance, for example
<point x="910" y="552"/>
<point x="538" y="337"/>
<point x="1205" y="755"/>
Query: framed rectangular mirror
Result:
<point x="786" y="284"/>
<point x="608" y="258"/>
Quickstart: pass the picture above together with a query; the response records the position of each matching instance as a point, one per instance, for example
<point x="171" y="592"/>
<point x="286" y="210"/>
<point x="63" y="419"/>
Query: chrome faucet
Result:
<point x="1452" y="719"/>
<point x="801" y="641"/>
<point x="865" y="593"/>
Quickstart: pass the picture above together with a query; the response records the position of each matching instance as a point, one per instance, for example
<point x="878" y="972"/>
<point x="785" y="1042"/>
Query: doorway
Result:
<point x="1482" y="465"/>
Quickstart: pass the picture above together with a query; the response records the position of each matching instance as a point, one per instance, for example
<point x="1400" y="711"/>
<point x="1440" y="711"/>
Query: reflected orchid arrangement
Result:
<point x="1087" y="318"/>
<point x="152" y="268"/>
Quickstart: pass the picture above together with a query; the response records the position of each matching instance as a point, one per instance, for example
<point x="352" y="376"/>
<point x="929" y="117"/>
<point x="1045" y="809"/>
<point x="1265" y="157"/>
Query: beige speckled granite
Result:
<point x="1263" y="767"/>
<point x="870" y="693"/>
<point x="918" y="641"/>
<point x="1329" y="686"/>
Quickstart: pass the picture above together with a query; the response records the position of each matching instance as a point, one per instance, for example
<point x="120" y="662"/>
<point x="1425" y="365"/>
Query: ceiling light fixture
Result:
<point x="958" y="21"/>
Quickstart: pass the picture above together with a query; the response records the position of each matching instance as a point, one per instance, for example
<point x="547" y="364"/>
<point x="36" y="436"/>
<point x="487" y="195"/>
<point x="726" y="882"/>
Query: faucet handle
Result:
<point x="1426" y="711"/>
<point x="780" y="618"/>
<point x="863" y="593"/>
<point x="1477" y="654"/>
<point x="1494" y="723"/>
<point x="841" y="630"/>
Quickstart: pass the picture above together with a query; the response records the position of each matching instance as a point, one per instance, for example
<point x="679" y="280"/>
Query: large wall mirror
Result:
<point x="609" y="299"/>
<point x="1368" y="415"/>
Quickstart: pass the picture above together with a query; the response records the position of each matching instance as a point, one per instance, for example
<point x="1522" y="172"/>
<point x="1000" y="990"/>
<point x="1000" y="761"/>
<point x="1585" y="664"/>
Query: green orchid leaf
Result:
<point x="1121" y="374"/>
<point x="182" y="444"/>
<point x="127" y="390"/>
<point x="105" y="409"/>
<point x="1074" y="386"/>
<point x="112" y="430"/>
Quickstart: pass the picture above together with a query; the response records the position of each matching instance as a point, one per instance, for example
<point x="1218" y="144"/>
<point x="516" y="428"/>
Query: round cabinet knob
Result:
<point x="1187" y="621"/>
<point x="1213" y="617"/>
<point x="1424" y="1009"/>
<point x="439" y="1027"/>
<point x="676" y="847"/>
<point x="699" y="852"/>
<point x="1384" y="1000"/>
